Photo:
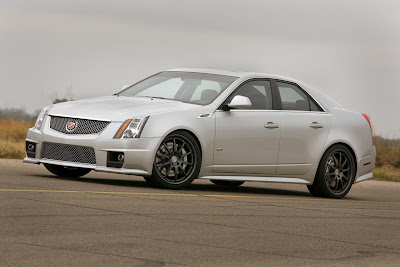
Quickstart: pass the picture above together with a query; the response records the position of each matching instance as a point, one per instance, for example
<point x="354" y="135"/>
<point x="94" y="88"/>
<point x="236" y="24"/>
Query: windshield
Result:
<point x="191" y="87"/>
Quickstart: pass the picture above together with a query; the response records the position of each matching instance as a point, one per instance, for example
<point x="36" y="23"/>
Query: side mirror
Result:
<point x="240" y="101"/>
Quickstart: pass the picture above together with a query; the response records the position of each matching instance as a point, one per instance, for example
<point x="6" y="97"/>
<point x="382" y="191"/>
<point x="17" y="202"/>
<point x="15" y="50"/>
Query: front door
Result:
<point x="247" y="140"/>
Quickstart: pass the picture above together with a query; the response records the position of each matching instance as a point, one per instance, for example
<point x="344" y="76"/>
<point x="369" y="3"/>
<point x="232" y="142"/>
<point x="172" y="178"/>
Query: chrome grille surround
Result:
<point x="83" y="126"/>
<point x="70" y="153"/>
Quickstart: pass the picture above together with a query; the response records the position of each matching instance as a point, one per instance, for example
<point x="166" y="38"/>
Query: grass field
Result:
<point x="12" y="138"/>
<point x="13" y="133"/>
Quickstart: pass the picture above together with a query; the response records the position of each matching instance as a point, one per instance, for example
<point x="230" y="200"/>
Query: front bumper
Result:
<point x="138" y="152"/>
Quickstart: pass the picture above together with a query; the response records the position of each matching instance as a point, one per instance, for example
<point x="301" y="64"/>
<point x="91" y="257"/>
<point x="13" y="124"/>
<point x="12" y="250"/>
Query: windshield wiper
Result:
<point x="159" y="97"/>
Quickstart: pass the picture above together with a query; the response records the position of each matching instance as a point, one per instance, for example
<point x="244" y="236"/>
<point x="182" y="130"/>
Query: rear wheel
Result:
<point x="177" y="161"/>
<point x="227" y="183"/>
<point x="64" y="171"/>
<point x="335" y="174"/>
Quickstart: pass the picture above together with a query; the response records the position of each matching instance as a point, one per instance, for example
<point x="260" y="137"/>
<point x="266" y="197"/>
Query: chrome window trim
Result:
<point x="275" y="110"/>
<point x="273" y="79"/>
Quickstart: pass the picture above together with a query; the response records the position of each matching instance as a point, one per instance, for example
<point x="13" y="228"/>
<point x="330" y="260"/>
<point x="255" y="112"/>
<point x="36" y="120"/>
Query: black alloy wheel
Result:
<point x="177" y="161"/>
<point x="335" y="174"/>
<point x="338" y="172"/>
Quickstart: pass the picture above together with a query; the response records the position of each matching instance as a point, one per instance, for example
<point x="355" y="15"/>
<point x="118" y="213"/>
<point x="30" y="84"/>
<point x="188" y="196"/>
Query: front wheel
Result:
<point x="335" y="174"/>
<point x="69" y="172"/>
<point x="177" y="161"/>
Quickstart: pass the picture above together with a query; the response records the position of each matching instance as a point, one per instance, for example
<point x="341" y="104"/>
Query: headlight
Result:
<point x="131" y="128"/>
<point x="40" y="118"/>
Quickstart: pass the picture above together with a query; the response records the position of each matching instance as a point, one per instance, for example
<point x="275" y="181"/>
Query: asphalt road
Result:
<point x="107" y="219"/>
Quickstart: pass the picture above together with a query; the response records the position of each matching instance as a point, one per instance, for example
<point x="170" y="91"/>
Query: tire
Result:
<point x="227" y="183"/>
<point x="335" y="174"/>
<point x="177" y="161"/>
<point x="69" y="172"/>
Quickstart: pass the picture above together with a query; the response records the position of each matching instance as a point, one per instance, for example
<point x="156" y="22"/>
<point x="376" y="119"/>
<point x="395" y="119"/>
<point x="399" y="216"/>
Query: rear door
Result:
<point x="304" y="129"/>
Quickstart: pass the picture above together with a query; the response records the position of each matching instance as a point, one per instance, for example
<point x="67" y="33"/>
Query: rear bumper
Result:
<point x="365" y="166"/>
<point x="138" y="152"/>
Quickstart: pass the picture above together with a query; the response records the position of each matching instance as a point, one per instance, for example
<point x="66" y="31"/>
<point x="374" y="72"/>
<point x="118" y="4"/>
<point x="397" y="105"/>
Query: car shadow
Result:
<point x="193" y="188"/>
<point x="246" y="188"/>
<point x="105" y="181"/>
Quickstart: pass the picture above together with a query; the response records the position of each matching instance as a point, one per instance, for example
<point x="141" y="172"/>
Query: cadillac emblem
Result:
<point x="71" y="126"/>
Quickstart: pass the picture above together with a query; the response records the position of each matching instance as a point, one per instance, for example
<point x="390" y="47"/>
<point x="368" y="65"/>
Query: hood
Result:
<point x="117" y="108"/>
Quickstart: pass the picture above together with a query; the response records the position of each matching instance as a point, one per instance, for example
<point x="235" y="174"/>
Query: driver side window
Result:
<point x="259" y="92"/>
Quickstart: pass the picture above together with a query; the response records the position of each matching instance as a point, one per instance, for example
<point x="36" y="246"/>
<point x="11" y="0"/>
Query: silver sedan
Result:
<point x="228" y="127"/>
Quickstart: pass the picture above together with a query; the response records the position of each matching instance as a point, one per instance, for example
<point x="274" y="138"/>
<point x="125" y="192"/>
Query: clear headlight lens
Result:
<point x="40" y="118"/>
<point x="131" y="128"/>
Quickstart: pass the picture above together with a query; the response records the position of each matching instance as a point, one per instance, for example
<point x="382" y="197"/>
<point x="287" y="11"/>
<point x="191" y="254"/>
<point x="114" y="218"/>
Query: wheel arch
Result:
<point x="191" y="133"/>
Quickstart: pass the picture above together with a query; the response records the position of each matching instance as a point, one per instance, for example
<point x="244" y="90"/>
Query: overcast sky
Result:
<point x="350" y="50"/>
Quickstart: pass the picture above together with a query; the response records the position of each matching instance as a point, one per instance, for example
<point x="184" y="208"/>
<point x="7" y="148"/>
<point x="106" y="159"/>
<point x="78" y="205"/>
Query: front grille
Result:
<point x="82" y="126"/>
<point x="71" y="153"/>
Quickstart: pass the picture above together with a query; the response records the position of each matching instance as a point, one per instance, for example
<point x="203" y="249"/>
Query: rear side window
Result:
<point x="293" y="98"/>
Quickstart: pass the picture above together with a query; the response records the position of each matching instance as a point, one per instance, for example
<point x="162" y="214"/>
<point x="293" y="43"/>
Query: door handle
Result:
<point x="271" y="125"/>
<point x="316" y="125"/>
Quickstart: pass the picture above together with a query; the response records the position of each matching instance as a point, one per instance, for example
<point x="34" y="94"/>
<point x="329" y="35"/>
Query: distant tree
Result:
<point x="17" y="114"/>
<point x="65" y="98"/>
<point x="60" y="100"/>
<point x="21" y="114"/>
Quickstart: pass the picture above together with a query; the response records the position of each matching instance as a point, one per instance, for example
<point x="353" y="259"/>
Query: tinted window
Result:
<point x="259" y="93"/>
<point x="293" y="98"/>
<point x="313" y="106"/>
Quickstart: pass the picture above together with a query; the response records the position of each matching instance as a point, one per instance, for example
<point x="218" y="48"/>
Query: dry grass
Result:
<point x="387" y="159"/>
<point x="387" y="173"/>
<point x="12" y="138"/>
<point x="12" y="150"/>
<point x="13" y="133"/>
<point x="387" y="152"/>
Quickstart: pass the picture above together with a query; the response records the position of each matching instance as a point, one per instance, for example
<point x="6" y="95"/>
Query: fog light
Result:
<point x="30" y="149"/>
<point x="115" y="159"/>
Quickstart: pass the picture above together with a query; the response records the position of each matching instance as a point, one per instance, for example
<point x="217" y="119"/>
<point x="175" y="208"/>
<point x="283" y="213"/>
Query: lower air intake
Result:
<point x="70" y="153"/>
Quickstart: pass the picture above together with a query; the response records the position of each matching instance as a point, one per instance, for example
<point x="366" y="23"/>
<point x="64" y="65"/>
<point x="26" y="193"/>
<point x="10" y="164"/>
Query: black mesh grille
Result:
<point x="80" y="154"/>
<point x="82" y="126"/>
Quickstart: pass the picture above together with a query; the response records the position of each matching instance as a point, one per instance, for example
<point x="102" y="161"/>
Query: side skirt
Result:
<point x="258" y="179"/>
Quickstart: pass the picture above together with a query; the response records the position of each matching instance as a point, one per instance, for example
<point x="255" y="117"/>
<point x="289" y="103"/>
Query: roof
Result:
<point x="240" y="74"/>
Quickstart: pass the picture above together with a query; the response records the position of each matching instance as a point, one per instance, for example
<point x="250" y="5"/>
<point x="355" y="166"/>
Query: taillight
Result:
<point x="370" y="126"/>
